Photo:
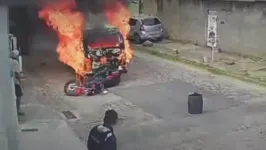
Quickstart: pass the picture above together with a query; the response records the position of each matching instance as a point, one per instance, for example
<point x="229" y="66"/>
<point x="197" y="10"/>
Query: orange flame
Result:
<point x="69" y="27"/>
<point x="118" y="15"/>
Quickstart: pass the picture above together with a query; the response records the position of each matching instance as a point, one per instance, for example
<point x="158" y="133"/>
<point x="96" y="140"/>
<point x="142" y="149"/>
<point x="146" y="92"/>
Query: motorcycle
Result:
<point x="102" y="75"/>
<point x="94" y="84"/>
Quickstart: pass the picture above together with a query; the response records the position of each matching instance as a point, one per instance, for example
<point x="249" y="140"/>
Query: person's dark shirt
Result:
<point x="101" y="137"/>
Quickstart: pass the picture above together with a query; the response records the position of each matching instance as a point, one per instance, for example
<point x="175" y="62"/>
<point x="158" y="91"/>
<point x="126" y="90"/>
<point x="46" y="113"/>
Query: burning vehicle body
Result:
<point x="104" y="48"/>
<point x="97" y="55"/>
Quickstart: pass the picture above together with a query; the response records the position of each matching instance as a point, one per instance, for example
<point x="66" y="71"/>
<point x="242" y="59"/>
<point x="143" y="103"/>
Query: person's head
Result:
<point x="14" y="54"/>
<point x="110" y="117"/>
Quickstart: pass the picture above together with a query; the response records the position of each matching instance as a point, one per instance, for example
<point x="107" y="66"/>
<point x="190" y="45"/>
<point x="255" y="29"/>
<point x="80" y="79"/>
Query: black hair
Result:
<point x="110" y="117"/>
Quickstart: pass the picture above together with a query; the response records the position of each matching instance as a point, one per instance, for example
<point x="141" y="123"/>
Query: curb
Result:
<point x="198" y="65"/>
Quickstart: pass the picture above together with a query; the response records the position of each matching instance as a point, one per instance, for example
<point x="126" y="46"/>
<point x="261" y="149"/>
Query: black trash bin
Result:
<point x="195" y="103"/>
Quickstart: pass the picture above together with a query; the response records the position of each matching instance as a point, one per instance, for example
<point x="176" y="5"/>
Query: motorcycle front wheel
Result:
<point x="71" y="88"/>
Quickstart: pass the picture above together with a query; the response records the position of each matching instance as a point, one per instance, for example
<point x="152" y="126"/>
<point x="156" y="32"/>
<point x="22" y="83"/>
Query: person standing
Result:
<point x="102" y="137"/>
<point x="17" y="81"/>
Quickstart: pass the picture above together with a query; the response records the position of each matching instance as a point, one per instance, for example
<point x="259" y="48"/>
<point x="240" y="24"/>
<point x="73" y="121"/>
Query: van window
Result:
<point x="100" y="38"/>
<point x="150" y="21"/>
<point x="132" y="22"/>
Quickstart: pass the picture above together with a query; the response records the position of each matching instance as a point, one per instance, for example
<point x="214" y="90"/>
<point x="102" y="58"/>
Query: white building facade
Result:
<point x="9" y="131"/>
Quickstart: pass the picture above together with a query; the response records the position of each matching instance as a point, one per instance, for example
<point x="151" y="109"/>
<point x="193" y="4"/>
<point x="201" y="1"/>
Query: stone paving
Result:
<point x="152" y="104"/>
<point x="234" y="109"/>
<point x="246" y="67"/>
<point x="43" y="127"/>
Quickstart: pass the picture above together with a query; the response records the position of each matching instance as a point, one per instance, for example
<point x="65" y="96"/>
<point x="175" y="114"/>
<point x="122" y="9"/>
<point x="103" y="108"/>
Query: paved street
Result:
<point x="152" y="104"/>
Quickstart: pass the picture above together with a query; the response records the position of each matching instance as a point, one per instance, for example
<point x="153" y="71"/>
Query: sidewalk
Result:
<point x="52" y="135"/>
<point x="245" y="68"/>
<point x="42" y="127"/>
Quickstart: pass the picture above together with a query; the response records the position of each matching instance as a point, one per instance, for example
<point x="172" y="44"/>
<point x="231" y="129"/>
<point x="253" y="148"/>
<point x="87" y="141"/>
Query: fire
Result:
<point x="68" y="25"/>
<point x="103" y="43"/>
<point x="118" y="15"/>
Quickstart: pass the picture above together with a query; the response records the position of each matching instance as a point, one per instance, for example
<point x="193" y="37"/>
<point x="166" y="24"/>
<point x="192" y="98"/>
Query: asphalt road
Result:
<point x="152" y="105"/>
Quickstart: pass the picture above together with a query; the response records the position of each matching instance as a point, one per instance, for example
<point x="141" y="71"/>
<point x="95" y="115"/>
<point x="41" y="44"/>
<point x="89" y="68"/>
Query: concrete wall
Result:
<point x="243" y="31"/>
<point x="8" y="116"/>
<point x="169" y="14"/>
<point x="150" y="6"/>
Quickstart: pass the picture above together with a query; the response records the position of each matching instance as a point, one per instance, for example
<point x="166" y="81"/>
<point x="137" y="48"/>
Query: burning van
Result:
<point x="104" y="46"/>
<point x="97" y="55"/>
<point x="104" y="49"/>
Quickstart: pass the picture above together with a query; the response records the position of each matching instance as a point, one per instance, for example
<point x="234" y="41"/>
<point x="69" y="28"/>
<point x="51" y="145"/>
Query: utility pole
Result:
<point x="140" y="6"/>
<point x="8" y="113"/>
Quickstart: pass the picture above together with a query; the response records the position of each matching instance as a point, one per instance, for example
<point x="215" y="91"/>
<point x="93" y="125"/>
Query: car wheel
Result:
<point x="159" y="39"/>
<point x="137" y="39"/>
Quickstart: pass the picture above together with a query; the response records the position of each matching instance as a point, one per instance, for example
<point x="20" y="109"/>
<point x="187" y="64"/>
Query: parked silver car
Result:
<point x="145" y="27"/>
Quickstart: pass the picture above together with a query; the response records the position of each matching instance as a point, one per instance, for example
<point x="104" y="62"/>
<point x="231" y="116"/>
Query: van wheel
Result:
<point x="137" y="39"/>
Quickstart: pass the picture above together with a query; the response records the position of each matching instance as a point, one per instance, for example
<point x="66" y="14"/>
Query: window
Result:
<point x="132" y="22"/>
<point x="150" y="21"/>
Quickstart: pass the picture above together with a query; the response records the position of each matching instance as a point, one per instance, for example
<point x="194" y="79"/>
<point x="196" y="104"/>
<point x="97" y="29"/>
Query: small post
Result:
<point x="213" y="49"/>
<point x="212" y="56"/>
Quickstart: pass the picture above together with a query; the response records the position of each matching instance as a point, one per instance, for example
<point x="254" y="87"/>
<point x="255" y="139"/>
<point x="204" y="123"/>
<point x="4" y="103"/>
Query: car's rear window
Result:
<point x="150" y="21"/>
<point x="104" y="41"/>
<point x="97" y="39"/>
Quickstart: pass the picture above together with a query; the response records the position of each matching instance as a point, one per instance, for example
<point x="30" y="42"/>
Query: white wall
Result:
<point x="8" y="116"/>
